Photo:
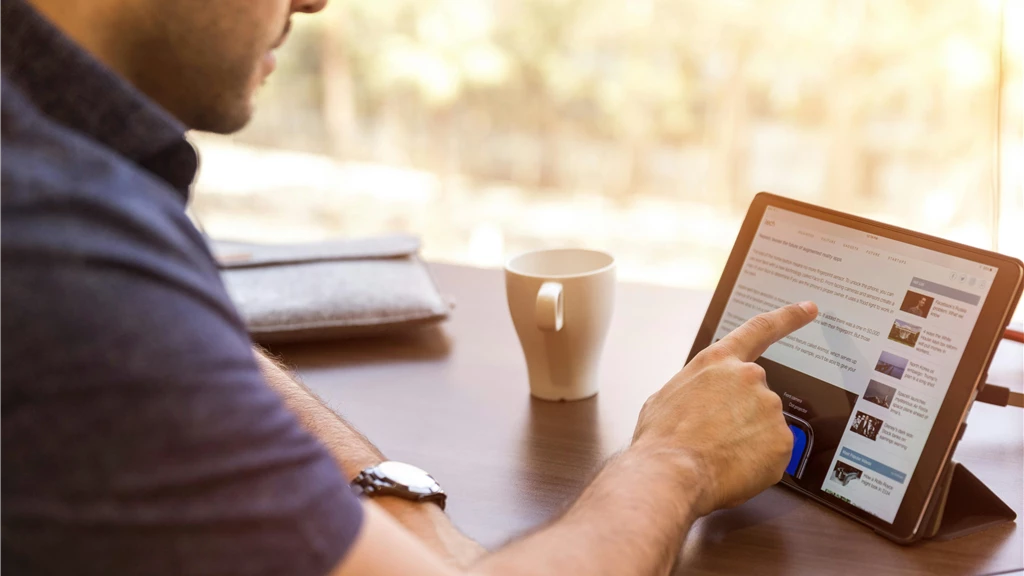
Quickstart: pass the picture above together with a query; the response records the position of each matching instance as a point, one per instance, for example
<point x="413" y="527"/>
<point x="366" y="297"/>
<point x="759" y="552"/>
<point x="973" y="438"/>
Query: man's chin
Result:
<point x="226" y="119"/>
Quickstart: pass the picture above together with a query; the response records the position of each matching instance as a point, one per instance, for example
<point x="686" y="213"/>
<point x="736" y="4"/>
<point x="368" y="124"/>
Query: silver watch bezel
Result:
<point x="399" y="479"/>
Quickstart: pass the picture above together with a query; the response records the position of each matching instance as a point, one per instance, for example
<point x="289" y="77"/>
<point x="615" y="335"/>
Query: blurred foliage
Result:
<point x="518" y="90"/>
<point x="624" y="67"/>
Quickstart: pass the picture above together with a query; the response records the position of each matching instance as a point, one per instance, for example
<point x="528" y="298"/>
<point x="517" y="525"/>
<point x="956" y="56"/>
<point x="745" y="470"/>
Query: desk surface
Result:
<point x="455" y="401"/>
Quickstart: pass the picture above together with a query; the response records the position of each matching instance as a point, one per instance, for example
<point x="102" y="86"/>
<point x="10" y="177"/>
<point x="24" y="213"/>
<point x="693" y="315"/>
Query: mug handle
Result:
<point x="549" y="312"/>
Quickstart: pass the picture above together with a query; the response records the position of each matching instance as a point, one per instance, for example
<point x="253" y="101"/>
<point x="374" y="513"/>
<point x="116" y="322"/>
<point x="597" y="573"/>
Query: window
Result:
<point x="641" y="127"/>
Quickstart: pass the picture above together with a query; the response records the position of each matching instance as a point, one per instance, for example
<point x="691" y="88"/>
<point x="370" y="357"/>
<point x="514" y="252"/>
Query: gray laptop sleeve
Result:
<point x="333" y="289"/>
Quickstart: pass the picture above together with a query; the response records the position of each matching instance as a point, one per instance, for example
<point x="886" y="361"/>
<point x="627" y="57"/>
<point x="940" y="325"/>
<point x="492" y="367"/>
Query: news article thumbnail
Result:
<point x="845" y="473"/>
<point x="905" y="333"/>
<point x="866" y="425"/>
<point x="891" y="365"/>
<point x="917" y="304"/>
<point x="878" y="393"/>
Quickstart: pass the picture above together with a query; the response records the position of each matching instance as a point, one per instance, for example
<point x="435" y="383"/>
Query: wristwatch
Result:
<point x="401" y="480"/>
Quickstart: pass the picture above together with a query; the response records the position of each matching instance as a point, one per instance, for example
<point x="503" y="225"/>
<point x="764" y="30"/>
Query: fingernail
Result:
<point x="809" y="307"/>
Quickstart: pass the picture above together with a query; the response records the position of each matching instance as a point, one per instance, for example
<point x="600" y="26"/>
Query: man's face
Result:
<point x="922" y="302"/>
<point x="203" y="60"/>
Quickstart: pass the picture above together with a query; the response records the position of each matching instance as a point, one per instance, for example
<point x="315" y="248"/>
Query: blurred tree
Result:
<point x="514" y="83"/>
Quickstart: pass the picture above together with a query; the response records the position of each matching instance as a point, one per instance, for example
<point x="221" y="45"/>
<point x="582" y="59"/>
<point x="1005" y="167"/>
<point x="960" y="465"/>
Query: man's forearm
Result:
<point x="351" y="450"/>
<point x="354" y="453"/>
<point x="631" y="520"/>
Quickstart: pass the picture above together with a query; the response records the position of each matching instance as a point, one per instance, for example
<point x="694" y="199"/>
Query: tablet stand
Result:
<point x="963" y="505"/>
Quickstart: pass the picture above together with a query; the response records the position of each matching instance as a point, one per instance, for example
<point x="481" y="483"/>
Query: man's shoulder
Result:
<point x="88" y="234"/>
<point x="64" y="195"/>
<point x="44" y="159"/>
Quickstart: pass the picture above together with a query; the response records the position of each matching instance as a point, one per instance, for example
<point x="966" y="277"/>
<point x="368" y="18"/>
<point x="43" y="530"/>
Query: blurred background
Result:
<point x="490" y="127"/>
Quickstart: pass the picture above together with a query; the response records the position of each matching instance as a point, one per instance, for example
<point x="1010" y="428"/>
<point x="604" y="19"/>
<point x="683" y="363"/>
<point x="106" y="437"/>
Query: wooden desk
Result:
<point x="455" y="401"/>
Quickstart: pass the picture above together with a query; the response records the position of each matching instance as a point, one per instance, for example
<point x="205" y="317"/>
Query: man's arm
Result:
<point x="351" y="450"/>
<point x="630" y="521"/>
<point x="641" y="483"/>
<point x="713" y="437"/>
<point x="353" y="453"/>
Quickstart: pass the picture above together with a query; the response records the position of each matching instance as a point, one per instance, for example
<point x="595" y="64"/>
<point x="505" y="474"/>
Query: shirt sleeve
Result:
<point x="138" y="434"/>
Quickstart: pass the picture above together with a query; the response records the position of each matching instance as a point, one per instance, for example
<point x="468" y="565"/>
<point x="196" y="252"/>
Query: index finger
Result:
<point x="751" y="339"/>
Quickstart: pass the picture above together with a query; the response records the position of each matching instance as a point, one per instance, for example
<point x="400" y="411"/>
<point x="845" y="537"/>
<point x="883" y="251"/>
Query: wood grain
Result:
<point x="455" y="400"/>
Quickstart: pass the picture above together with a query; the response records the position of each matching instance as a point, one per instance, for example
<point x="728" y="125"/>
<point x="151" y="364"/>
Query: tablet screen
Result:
<point x="870" y="373"/>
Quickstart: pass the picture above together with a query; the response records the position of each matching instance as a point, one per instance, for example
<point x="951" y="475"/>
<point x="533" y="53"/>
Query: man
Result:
<point x="920" y="309"/>
<point x="142" y="434"/>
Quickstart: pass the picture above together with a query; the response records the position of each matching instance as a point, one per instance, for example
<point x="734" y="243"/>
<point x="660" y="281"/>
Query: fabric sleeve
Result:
<point x="138" y="433"/>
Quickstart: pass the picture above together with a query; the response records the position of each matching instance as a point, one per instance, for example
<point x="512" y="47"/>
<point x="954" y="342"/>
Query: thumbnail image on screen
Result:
<point x="845" y="473"/>
<point x="891" y="365"/>
<point x="867" y="426"/>
<point x="878" y="393"/>
<point x="917" y="304"/>
<point x="905" y="333"/>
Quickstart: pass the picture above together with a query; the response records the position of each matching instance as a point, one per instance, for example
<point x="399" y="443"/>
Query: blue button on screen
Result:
<point x="799" y="444"/>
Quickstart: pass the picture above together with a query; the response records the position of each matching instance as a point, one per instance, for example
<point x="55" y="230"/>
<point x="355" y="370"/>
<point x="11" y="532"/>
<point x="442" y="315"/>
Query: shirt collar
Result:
<point x="70" y="86"/>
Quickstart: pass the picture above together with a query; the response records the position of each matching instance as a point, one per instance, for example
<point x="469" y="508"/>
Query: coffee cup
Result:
<point x="561" y="303"/>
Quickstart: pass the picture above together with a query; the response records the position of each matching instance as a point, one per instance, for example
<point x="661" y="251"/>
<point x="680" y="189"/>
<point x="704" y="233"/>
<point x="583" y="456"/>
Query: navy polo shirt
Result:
<point x="138" y="436"/>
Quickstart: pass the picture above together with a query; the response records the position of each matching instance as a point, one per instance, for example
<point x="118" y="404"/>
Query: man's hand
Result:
<point x="719" y="415"/>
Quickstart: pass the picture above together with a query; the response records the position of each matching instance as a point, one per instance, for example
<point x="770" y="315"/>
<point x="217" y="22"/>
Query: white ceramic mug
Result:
<point x="561" y="303"/>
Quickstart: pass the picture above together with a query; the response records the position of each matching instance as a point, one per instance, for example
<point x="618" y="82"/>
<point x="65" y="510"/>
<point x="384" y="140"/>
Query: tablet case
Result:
<point x="963" y="505"/>
<point x="333" y="289"/>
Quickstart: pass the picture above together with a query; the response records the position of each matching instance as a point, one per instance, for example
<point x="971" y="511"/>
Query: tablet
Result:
<point x="877" y="389"/>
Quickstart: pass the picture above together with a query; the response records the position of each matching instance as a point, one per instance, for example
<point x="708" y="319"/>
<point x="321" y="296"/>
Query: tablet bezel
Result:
<point x="995" y="315"/>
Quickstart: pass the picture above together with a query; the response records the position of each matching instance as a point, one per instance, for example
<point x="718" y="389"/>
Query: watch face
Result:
<point x="406" y="475"/>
